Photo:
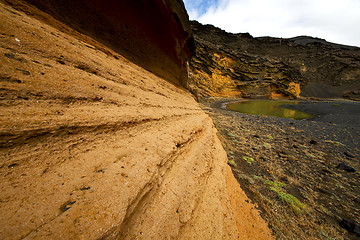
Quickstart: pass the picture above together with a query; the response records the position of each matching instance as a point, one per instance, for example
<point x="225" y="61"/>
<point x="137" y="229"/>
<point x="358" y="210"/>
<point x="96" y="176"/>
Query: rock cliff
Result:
<point x="240" y="65"/>
<point x="154" y="34"/>
<point x="94" y="146"/>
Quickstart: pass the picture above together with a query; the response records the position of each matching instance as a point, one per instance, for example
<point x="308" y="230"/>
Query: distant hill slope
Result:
<point x="241" y="65"/>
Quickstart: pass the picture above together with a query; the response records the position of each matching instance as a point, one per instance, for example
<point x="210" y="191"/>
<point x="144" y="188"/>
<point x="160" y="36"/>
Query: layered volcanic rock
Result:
<point x="240" y="65"/>
<point x="93" y="146"/>
<point x="154" y="34"/>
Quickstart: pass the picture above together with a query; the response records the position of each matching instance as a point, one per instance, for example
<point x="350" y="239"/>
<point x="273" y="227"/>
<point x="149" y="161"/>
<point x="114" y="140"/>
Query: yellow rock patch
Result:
<point x="294" y="88"/>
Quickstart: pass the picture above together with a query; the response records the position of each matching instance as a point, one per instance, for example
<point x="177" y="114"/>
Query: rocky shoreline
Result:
<point x="304" y="173"/>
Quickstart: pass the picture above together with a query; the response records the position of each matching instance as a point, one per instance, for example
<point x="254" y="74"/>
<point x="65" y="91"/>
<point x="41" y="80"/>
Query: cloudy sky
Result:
<point x="336" y="21"/>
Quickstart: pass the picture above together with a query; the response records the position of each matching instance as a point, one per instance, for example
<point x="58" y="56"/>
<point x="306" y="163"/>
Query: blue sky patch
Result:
<point x="200" y="6"/>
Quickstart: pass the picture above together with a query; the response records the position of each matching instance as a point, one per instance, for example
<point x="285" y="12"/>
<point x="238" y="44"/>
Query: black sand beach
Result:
<point x="304" y="159"/>
<point x="338" y="112"/>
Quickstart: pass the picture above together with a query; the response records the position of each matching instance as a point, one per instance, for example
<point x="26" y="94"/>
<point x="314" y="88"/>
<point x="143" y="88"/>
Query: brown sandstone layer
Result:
<point x="93" y="146"/>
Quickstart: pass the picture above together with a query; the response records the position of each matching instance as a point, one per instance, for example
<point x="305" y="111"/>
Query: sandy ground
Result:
<point x="95" y="147"/>
<point x="290" y="167"/>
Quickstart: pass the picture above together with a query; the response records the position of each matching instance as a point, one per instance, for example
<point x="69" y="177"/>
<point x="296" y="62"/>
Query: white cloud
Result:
<point x="334" y="20"/>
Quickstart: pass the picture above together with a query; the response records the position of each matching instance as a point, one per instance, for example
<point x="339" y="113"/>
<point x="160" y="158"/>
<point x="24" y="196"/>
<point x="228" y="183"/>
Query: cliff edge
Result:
<point x="94" y="146"/>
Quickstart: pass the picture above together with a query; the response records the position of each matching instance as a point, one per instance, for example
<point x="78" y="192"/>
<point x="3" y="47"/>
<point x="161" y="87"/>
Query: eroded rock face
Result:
<point x="154" y="34"/>
<point x="240" y="65"/>
<point x="93" y="146"/>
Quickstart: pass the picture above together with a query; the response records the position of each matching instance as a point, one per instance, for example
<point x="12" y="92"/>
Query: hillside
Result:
<point x="240" y="65"/>
<point x="95" y="146"/>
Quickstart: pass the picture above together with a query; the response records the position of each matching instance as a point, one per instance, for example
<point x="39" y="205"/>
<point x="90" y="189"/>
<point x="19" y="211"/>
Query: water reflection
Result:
<point x="268" y="108"/>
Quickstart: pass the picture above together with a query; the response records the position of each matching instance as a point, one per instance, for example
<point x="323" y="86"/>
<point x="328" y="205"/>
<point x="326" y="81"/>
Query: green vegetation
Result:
<point x="232" y="135"/>
<point x="232" y="163"/>
<point x="246" y="177"/>
<point x="292" y="201"/>
<point x="275" y="185"/>
<point x="257" y="177"/>
<point x="309" y="155"/>
<point x="249" y="160"/>
<point x="278" y="187"/>
<point x="339" y="185"/>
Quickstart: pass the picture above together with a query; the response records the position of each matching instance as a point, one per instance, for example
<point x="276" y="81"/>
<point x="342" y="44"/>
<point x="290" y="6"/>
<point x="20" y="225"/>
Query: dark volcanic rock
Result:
<point x="346" y="167"/>
<point x="229" y="64"/>
<point x="350" y="225"/>
<point x="154" y="34"/>
<point x="348" y="155"/>
<point x="352" y="95"/>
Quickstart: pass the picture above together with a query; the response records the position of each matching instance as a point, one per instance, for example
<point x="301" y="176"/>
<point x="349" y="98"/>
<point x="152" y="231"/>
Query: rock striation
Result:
<point x="154" y="34"/>
<point x="240" y="65"/>
<point x="94" y="146"/>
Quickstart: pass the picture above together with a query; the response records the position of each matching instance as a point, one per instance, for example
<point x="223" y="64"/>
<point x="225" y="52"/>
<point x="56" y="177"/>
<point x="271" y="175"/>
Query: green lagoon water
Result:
<point x="268" y="108"/>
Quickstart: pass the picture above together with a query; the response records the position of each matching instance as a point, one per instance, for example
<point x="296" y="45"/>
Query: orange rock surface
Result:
<point x="93" y="146"/>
